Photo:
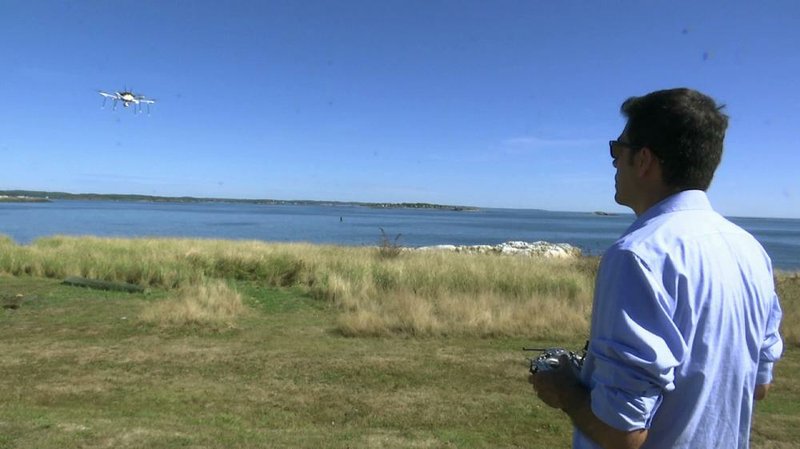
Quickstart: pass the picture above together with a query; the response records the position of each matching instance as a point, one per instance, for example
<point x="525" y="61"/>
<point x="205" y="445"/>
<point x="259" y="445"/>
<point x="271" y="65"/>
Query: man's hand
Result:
<point x="562" y="389"/>
<point x="761" y="392"/>
<point x="559" y="388"/>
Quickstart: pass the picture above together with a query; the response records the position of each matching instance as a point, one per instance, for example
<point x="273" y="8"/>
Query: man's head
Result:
<point x="684" y="129"/>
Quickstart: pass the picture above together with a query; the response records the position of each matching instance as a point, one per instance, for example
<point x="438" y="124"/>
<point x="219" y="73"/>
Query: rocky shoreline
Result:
<point x="513" y="248"/>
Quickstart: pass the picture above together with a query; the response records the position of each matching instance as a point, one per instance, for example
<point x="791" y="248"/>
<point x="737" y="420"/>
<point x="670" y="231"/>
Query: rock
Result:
<point x="517" y="248"/>
<point x="103" y="285"/>
<point x="437" y="248"/>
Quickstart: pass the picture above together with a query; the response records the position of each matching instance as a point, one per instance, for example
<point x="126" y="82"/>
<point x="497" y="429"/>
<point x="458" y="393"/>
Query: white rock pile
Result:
<point x="516" y="248"/>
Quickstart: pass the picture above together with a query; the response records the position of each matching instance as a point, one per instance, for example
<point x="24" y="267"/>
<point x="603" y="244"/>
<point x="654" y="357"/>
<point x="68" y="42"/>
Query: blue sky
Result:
<point x="492" y="104"/>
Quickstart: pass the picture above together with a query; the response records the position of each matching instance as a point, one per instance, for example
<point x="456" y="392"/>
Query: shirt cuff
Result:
<point x="624" y="411"/>
<point x="764" y="375"/>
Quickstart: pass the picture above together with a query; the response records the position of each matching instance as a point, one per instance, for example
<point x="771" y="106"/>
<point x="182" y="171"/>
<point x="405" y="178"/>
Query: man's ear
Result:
<point x="645" y="162"/>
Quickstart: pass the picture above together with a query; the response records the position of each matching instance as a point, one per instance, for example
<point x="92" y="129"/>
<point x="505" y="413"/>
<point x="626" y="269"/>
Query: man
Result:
<point x="685" y="319"/>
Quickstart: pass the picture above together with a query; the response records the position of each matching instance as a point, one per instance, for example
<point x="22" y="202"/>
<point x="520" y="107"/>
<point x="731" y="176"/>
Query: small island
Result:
<point x="41" y="196"/>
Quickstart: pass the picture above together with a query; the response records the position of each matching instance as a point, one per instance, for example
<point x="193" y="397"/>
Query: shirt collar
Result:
<point x="685" y="200"/>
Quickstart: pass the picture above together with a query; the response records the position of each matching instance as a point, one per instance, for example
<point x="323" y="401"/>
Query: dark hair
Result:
<point x="684" y="129"/>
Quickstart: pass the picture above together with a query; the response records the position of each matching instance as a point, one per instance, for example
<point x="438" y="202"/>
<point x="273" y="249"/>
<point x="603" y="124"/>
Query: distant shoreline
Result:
<point x="19" y="196"/>
<point x="22" y="199"/>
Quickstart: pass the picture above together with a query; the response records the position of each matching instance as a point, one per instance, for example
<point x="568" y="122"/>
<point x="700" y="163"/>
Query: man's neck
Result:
<point x="653" y="197"/>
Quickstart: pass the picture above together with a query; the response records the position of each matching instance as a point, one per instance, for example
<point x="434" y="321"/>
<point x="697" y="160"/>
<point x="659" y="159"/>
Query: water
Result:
<point x="349" y="225"/>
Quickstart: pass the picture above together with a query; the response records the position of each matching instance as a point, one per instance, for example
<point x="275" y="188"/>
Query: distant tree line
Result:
<point x="35" y="195"/>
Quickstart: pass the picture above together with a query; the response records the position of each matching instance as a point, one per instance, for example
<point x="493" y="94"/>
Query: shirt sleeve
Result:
<point x="635" y="344"/>
<point x="773" y="345"/>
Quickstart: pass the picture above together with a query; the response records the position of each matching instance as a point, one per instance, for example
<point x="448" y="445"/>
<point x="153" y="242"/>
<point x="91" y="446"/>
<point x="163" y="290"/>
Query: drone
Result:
<point x="127" y="98"/>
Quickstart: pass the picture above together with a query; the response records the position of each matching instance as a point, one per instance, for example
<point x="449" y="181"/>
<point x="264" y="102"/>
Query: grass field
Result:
<point x="248" y="360"/>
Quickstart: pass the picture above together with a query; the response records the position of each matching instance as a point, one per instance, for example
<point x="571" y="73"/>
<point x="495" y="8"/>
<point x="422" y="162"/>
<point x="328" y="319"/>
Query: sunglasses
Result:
<point x="613" y="143"/>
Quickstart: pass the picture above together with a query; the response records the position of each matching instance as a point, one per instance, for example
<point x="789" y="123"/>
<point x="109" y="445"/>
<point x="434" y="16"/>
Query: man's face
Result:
<point x="624" y="179"/>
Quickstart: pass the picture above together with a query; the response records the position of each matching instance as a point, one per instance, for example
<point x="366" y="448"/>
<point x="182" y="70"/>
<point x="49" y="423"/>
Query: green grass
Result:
<point x="80" y="368"/>
<point x="80" y="371"/>
<point x="247" y="344"/>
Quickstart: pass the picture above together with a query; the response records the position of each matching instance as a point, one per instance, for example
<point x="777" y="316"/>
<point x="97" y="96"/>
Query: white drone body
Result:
<point x="127" y="98"/>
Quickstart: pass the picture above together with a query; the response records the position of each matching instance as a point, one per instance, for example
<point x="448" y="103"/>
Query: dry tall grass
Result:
<point x="211" y="303"/>
<point x="447" y="293"/>
<point x="788" y="285"/>
<point x="416" y="293"/>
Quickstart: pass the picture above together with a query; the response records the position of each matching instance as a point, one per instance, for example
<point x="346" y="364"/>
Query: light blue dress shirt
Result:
<point x="684" y="326"/>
